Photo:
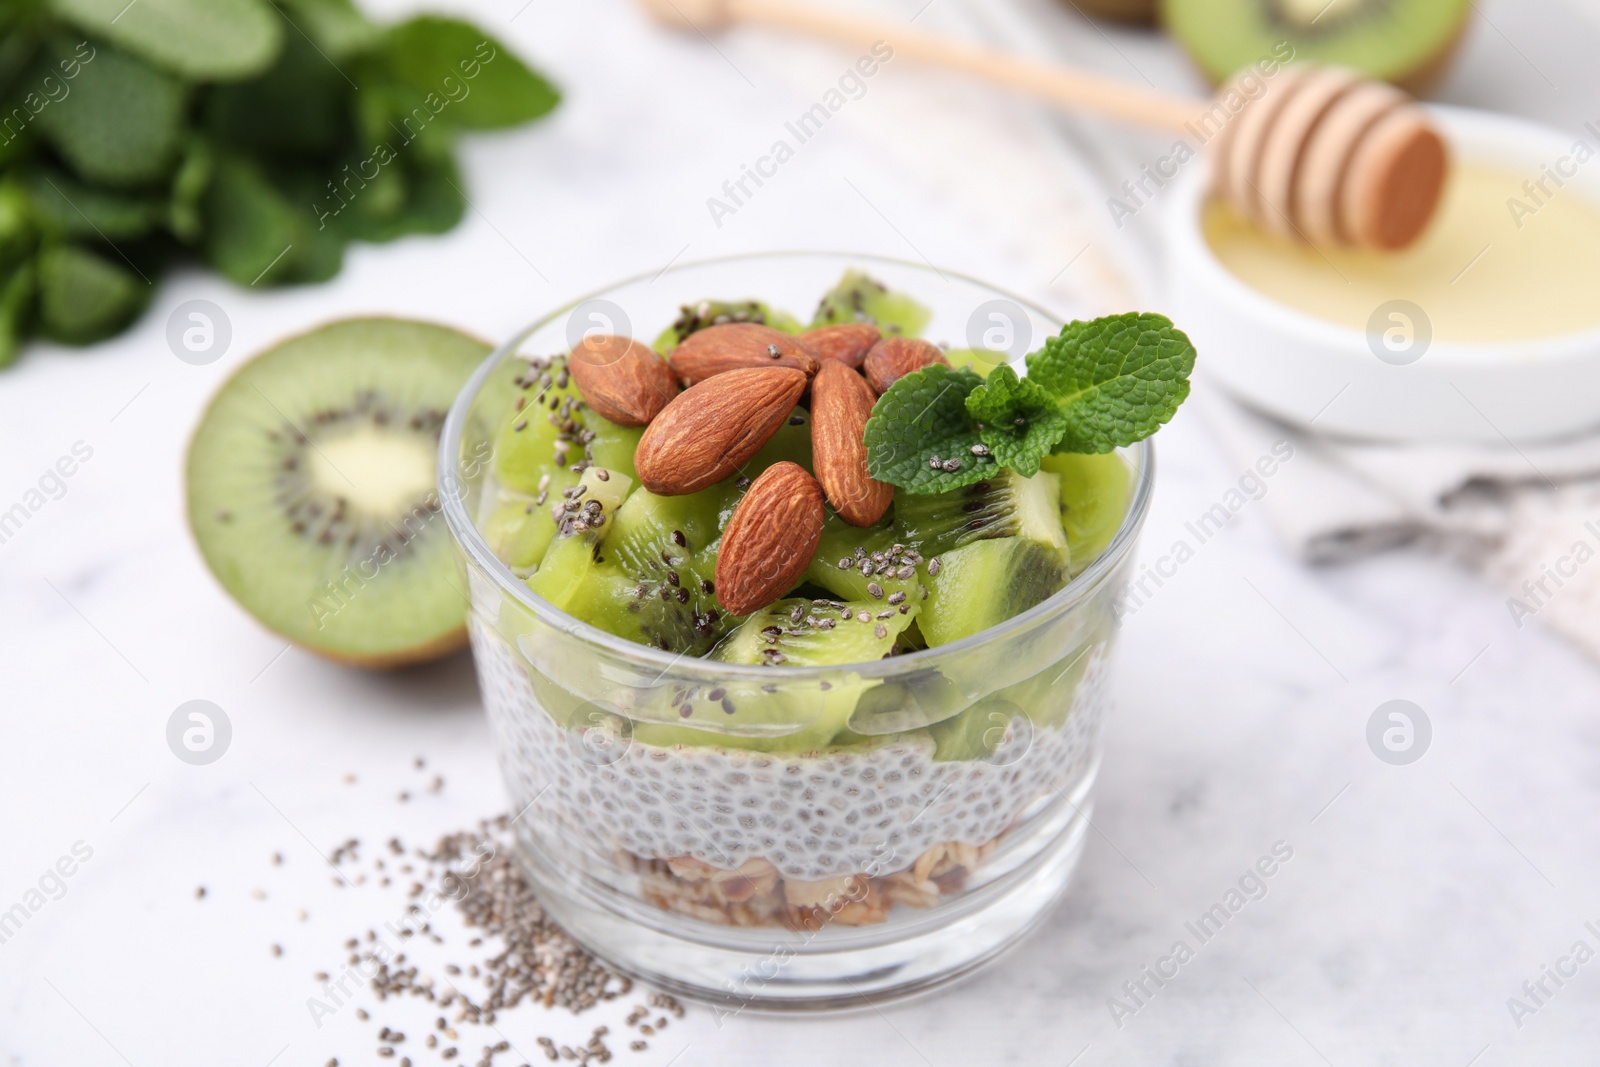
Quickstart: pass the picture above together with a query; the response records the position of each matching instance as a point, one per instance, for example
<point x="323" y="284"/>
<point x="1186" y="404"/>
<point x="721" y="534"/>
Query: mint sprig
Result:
<point x="922" y="419"/>
<point x="1020" y="421"/>
<point x="1118" y="379"/>
<point x="1097" y="386"/>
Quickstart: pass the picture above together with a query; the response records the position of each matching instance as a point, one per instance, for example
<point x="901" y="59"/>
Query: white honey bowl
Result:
<point x="1300" y="368"/>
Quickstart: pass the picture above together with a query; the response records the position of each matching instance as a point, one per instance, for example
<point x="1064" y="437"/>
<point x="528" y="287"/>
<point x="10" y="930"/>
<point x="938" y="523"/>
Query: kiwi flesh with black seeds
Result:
<point x="312" y="490"/>
<point x="1407" y="42"/>
<point x="703" y="313"/>
<point x="858" y="297"/>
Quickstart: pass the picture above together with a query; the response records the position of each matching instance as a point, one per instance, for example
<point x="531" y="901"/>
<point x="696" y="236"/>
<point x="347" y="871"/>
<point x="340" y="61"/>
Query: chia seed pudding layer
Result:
<point x="871" y="809"/>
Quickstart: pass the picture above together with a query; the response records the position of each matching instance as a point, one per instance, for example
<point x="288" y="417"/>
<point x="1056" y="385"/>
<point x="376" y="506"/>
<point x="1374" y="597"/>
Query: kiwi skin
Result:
<point x="1134" y="11"/>
<point x="429" y="651"/>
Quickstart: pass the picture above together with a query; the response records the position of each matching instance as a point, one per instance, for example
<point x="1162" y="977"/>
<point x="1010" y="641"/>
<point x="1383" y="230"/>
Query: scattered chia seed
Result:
<point x="603" y="474"/>
<point x="774" y="351"/>
<point x="934" y="566"/>
<point x="952" y="465"/>
<point x="880" y="631"/>
<point x="935" y="463"/>
<point x="980" y="450"/>
<point x="875" y="591"/>
<point x="897" y="598"/>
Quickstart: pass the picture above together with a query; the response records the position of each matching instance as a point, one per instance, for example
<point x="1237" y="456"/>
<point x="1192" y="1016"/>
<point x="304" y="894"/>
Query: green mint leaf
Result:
<point x="1020" y="419"/>
<point x="337" y="27"/>
<point x="122" y="122"/>
<point x="1118" y="379"/>
<point x="924" y="416"/>
<point x="469" y="79"/>
<point x="199" y="40"/>
<point x="84" y="297"/>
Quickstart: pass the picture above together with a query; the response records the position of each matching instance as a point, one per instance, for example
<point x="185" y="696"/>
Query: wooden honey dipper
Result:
<point x="1321" y="154"/>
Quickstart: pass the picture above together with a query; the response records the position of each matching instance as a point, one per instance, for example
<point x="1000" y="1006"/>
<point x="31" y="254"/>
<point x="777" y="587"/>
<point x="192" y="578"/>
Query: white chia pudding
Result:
<point x="760" y="838"/>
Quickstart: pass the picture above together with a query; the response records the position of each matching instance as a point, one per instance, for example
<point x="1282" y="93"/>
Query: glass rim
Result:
<point x="472" y="544"/>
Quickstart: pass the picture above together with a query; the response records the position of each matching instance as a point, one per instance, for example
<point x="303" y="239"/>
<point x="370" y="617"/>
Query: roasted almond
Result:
<point x="841" y="403"/>
<point x="770" y="540"/>
<point x="712" y="429"/>
<point x="718" y="349"/>
<point x="846" y="343"/>
<point x="895" y="357"/>
<point x="621" y="379"/>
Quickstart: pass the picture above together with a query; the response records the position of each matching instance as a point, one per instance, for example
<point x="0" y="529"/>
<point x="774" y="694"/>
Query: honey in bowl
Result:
<point x="1505" y="259"/>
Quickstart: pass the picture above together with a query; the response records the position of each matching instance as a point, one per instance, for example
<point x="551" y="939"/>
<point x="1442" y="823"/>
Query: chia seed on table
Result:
<point x="522" y="957"/>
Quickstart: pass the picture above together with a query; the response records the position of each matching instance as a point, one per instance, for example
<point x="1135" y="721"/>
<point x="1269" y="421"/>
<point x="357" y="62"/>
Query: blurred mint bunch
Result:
<point x="259" y="135"/>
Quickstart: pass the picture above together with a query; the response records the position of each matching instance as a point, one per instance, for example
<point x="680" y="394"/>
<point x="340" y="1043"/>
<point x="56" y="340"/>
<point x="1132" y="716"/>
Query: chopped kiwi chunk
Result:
<point x="784" y="716"/>
<point x="698" y="316"/>
<point x="1094" y="499"/>
<point x="311" y="489"/>
<point x="653" y="580"/>
<point x="979" y="731"/>
<point x="541" y="451"/>
<point x="985" y="583"/>
<point x="860" y="298"/>
<point x="814" y="633"/>
<point x="869" y="565"/>
<point x="1006" y="505"/>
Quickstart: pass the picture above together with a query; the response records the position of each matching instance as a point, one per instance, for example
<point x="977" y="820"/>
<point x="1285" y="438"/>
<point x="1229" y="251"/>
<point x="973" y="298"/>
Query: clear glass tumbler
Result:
<point x="886" y="827"/>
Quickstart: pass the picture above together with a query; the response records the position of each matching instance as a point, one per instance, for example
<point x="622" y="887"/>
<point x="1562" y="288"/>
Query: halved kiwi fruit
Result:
<point x="1407" y="42"/>
<point x="311" y="486"/>
<point x="1122" y="10"/>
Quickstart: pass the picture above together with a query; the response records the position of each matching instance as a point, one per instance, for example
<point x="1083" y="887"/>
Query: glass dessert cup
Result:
<point x="880" y="828"/>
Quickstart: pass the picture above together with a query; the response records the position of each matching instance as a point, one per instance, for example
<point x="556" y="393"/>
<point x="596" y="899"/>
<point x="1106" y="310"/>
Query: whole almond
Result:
<point x="718" y="349"/>
<point x="770" y="540"/>
<point x="846" y="343"/>
<point x="895" y="357"/>
<point x="712" y="429"/>
<point x="841" y="403"/>
<point x="621" y="379"/>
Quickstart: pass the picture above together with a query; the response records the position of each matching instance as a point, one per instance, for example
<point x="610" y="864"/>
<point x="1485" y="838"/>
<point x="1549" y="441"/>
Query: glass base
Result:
<point x="835" y="969"/>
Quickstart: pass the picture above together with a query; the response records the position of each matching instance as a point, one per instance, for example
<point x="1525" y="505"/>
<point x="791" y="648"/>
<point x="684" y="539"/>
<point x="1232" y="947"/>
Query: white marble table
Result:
<point x="1417" y="900"/>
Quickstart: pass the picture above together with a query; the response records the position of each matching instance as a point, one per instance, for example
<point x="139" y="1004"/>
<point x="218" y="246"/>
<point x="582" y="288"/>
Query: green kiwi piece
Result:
<point x="868" y="565"/>
<point x="540" y="449"/>
<point x="652" y="579"/>
<point x="777" y="717"/>
<point x="1094" y="500"/>
<point x="1006" y="505"/>
<point x="861" y="298"/>
<point x="311" y="489"/>
<point x="1408" y="42"/>
<point x="698" y="316"/>
<point x="984" y="583"/>
<point x="977" y="732"/>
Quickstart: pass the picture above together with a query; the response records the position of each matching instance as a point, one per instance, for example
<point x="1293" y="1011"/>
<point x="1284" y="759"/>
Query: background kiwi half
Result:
<point x="311" y="482"/>
<point x="1122" y="10"/>
<point x="1407" y="42"/>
